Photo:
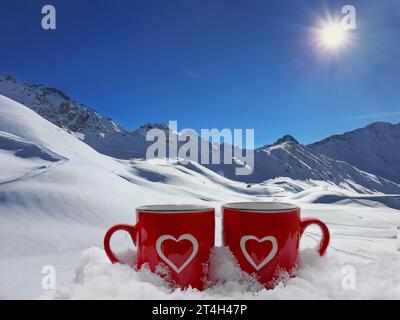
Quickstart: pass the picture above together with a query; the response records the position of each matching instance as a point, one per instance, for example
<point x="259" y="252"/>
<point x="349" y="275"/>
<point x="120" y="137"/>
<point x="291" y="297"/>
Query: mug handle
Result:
<point x="325" y="232"/>
<point x="132" y="230"/>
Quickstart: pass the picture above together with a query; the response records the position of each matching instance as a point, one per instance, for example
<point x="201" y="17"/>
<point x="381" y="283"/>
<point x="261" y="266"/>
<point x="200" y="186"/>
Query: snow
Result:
<point x="58" y="196"/>
<point x="56" y="107"/>
<point x="317" y="278"/>
<point x="374" y="148"/>
<point x="369" y="149"/>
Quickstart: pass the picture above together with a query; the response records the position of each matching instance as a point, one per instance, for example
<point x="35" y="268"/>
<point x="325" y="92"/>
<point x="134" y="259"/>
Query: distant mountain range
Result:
<point x="374" y="148"/>
<point x="367" y="158"/>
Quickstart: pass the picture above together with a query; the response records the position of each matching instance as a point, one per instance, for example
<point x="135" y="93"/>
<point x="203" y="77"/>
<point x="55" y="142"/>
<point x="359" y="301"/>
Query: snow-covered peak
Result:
<point x="144" y="129"/>
<point x="381" y="125"/>
<point x="374" y="148"/>
<point x="287" y="138"/>
<point x="6" y="77"/>
<point x="55" y="106"/>
<point x="149" y="126"/>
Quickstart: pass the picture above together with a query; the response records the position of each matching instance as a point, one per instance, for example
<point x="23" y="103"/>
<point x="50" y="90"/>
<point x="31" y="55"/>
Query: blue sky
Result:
<point x="211" y="63"/>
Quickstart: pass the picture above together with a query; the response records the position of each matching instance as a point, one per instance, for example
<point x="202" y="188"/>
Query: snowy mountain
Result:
<point x="374" y="148"/>
<point x="286" y="138"/>
<point x="288" y="158"/>
<point x="53" y="105"/>
<point x="285" y="158"/>
<point x="101" y="133"/>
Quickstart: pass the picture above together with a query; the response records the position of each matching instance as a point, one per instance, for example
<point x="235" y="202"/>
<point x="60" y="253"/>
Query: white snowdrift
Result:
<point x="330" y="277"/>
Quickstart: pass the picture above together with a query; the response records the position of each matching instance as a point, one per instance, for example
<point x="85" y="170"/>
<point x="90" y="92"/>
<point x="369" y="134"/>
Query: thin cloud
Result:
<point x="191" y="74"/>
<point x="379" y="115"/>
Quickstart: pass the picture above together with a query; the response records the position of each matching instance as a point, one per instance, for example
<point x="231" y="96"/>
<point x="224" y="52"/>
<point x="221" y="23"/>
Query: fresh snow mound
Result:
<point x="317" y="278"/>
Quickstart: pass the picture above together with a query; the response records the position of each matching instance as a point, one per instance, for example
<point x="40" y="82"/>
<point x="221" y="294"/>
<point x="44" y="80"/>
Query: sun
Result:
<point x="331" y="39"/>
<point x="332" y="35"/>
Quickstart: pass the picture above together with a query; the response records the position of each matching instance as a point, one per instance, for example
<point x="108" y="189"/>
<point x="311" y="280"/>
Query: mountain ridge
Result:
<point x="54" y="105"/>
<point x="374" y="148"/>
<point x="286" y="157"/>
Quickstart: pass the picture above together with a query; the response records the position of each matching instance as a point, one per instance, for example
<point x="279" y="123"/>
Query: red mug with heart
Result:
<point x="264" y="237"/>
<point x="176" y="237"/>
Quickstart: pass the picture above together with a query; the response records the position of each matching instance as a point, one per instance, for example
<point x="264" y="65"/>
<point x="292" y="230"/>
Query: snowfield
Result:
<point x="58" y="196"/>
<point x="316" y="279"/>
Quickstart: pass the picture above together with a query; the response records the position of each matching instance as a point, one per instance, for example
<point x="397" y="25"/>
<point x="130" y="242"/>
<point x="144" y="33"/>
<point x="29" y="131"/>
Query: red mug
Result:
<point x="264" y="237"/>
<point x="177" y="237"/>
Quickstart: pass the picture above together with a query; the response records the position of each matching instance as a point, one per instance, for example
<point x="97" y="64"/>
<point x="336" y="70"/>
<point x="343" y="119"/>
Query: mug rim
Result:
<point x="262" y="206"/>
<point x="174" y="208"/>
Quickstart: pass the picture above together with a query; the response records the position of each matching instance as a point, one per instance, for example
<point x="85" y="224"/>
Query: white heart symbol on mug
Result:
<point x="182" y="237"/>
<point x="268" y="258"/>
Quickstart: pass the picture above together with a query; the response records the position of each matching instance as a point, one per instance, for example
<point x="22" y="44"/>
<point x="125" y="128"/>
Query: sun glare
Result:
<point x="332" y="35"/>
